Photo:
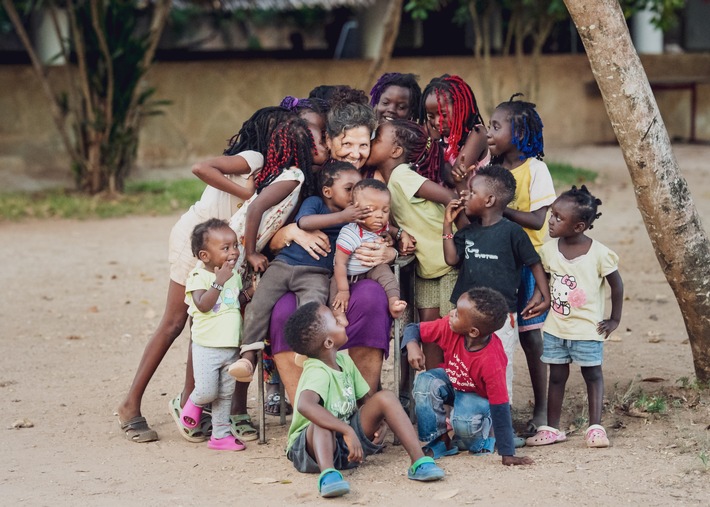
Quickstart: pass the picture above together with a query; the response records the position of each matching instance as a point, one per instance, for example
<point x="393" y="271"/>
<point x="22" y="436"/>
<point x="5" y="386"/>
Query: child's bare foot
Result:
<point x="397" y="307"/>
<point x="242" y="370"/>
<point x="340" y="318"/>
<point x="517" y="460"/>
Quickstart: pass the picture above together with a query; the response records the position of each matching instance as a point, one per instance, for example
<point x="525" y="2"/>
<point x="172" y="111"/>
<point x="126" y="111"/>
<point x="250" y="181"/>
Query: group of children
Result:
<point x="472" y="204"/>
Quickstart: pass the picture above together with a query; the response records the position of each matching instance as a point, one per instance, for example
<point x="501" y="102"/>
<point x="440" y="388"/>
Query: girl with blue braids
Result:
<point x="516" y="143"/>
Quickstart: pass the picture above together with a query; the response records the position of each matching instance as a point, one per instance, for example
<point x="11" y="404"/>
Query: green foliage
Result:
<point x="140" y="198"/>
<point x="653" y="404"/>
<point x="565" y="175"/>
<point x="420" y="9"/>
<point x="665" y="12"/>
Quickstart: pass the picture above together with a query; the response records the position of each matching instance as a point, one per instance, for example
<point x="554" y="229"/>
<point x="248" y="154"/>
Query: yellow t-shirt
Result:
<point x="222" y="325"/>
<point x="533" y="190"/>
<point x="421" y="218"/>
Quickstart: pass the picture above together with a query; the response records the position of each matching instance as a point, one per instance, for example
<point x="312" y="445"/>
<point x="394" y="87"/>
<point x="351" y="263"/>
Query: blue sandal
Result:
<point x="483" y="446"/>
<point x="425" y="470"/>
<point x="437" y="449"/>
<point x="331" y="484"/>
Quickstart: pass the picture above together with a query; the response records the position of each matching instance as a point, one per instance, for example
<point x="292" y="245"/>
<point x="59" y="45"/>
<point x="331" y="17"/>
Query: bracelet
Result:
<point x="217" y="286"/>
<point x="246" y="296"/>
<point x="398" y="236"/>
<point x="447" y="236"/>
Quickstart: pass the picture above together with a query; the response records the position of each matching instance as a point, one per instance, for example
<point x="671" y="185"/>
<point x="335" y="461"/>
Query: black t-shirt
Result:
<point x="493" y="257"/>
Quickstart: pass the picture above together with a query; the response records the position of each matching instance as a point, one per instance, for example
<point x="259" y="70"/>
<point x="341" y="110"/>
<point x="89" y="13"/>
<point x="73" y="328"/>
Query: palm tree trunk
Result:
<point x="662" y="194"/>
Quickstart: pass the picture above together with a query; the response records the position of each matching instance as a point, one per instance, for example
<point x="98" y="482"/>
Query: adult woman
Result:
<point x="349" y="127"/>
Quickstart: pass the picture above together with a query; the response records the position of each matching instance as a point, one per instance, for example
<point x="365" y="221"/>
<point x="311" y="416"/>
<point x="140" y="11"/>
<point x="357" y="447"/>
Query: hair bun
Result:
<point x="347" y="95"/>
<point x="289" y="102"/>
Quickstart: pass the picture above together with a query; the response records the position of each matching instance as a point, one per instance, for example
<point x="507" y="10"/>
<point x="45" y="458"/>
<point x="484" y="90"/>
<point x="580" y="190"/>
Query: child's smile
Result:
<point x="438" y="122"/>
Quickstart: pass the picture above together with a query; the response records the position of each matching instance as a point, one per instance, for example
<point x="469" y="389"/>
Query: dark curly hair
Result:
<point x="304" y="330"/>
<point x="500" y="181"/>
<point x="330" y="171"/>
<point x="256" y="132"/>
<point x="420" y="150"/>
<point x="369" y="183"/>
<point x="585" y="203"/>
<point x="490" y="308"/>
<point x="202" y="231"/>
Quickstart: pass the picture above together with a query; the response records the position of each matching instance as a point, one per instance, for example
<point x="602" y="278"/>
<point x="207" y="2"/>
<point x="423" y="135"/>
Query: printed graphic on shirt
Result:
<point x="459" y="375"/>
<point x="345" y="406"/>
<point x="566" y="294"/>
<point x="472" y="251"/>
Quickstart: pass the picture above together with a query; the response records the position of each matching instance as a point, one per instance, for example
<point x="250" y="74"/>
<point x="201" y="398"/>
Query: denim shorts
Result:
<point x="304" y="462"/>
<point x="525" y="292"/>
<point x="582" y="352"/>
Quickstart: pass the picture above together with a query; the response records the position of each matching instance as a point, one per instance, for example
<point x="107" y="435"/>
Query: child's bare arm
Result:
<point x="606" y="327"/>
<point x="206" y="299"/>
<point x="529" y="219"/>
<point x="436" y="193"/>
<point x="270" y="196"/>
<point x="353" y="213"/>
<point x="340" y="272"/>
<point x="474" y="149"/>
<point x="540" y="300"/>
<point x="453" y="209"/>
<point x="309" y="405"/>
<point x="212" y="172"/>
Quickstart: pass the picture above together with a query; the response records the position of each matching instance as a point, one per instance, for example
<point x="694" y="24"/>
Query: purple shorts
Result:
<point x="368" y="314"/>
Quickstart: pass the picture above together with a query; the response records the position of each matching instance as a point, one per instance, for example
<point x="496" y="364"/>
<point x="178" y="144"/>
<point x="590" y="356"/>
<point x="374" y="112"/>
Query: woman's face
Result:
<point x="352" y="146"/>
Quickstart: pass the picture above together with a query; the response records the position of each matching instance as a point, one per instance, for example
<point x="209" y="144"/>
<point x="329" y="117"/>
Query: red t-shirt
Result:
<point x="481" y="372"/>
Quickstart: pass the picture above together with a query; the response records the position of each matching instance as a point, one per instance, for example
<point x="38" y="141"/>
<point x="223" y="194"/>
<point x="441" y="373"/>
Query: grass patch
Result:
<point x="565" y="175"/>
<point x="140" y="198"/>
<point x="164" y="197"/>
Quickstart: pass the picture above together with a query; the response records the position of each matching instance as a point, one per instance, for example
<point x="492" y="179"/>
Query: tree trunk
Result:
<point x="389" y="37"/>
<point x="662" y="194"/>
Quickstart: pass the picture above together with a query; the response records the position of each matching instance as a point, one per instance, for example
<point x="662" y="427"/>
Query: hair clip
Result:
<point x="428" y="143"/>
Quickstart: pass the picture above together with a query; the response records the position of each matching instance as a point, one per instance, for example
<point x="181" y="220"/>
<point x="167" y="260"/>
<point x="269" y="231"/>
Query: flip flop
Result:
<point x="242" y="427"/>
<point x="226" y="444"/>
<point x="272" y="405"/>
<point x="437" y="449"/>
<point x="595" y="436"/>
<point x="425" y="470"/>
<point x="546" y="435"/>
<point x="331" y="484"/>
<point x="194" y="435"/>
<point x="190" y="415"/>
<point x="137" y="430"/>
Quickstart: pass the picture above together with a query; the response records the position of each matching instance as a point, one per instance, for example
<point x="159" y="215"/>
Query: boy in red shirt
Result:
<point x="472" y="379"/>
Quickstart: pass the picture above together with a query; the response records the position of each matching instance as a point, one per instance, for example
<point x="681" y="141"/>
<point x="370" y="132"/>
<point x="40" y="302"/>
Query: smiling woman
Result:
<point x="349" y="127"/>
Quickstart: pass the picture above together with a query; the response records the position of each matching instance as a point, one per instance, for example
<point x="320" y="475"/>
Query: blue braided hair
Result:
<point x="525" y="126"/>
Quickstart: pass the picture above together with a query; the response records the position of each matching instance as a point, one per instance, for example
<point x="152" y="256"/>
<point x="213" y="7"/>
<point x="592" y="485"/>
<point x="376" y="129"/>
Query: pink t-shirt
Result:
<point x="481" y="372"/>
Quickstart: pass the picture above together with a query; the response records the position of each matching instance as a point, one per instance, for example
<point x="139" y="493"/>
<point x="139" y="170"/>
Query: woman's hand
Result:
<point x="316" y="243"/>
<point x="374" y="253"/>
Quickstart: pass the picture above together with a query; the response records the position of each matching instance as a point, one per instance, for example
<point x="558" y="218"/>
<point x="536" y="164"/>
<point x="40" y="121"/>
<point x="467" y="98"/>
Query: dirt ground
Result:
<point x="87" y="295"/>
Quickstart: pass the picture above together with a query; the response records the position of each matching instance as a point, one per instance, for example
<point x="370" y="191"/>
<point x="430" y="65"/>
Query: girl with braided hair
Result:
<point x="396" y="95"/>
<point x="230" y="181"/>
<point x="449" y="111"/>
<point x="313" y="110"/>
<point x="516" y="142"/>
<point x="575" y="329"/>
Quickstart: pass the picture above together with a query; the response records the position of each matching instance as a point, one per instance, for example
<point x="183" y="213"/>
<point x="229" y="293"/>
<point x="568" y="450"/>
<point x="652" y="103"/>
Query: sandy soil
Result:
<point x="86" y="296"/>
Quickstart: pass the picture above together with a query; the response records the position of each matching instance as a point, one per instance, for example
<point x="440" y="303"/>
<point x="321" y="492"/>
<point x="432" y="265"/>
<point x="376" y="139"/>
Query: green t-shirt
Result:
<point x="338" y="391"/>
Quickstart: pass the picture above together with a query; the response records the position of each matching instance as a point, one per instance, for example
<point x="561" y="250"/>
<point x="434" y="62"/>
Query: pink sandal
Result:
<point x="242" y="370"/>
<point x="596" y="436"/>
<point x="190" y="415"/>
<point x="228" y="443"/>
<point x="546" y="435"/>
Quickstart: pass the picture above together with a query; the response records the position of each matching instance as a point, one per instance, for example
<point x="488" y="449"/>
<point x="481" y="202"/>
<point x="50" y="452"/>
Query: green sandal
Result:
<point x="194" y="435"/>
<point x="331" y="484"/>
<point x="242" y="427"/>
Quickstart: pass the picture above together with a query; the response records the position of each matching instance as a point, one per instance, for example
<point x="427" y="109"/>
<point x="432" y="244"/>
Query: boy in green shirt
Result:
<point x="335" y="419"/>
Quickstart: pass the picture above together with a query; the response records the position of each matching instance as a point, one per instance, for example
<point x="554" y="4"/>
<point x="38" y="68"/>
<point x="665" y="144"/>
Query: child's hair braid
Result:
<point x="464" y="112"/>
<point x="525" y="127"/>
<point x="255" y="133"/>
<point x="202" y="230"/>
<point x="330" y="171"/>
<point x="291" y="145"/>
<point x="419" y="149"/>
<point x="586" y="204"/>
<point x="298" y="106"/>
<point x="408" y="81"/>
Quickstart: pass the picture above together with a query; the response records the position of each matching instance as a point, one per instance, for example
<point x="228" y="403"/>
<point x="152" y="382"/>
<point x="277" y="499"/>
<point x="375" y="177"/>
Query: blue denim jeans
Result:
<point x="471" y="416"/>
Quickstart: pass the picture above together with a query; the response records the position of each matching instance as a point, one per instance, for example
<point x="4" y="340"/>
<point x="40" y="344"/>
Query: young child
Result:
<point x="371" y="195"/>
<point x="213" y="294"/>
<point x="449" y="111"/>
<point x="516" y="143"/>
<point x="403" y="153"/>
<point x="575" y="329"/>
<point x="472" y="379"/>
<point x="396" y="95"/>
<point x="336" y="423"/>
<point x="293" y="269"/>
<point x="491" y="251"/>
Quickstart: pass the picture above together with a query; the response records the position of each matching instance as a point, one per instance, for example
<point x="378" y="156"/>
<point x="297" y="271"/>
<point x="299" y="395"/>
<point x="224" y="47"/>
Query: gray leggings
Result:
<point x="214" y="384"/>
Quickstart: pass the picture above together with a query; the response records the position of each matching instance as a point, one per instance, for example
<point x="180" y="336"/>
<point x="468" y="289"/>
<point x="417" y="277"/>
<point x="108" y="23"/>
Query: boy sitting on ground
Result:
<point x="336" y="423"/>
<point x="472" y="380"/>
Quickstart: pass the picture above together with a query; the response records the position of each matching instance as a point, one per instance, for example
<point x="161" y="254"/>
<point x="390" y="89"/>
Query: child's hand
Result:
<point x="517" y="460"/>
<point x="355" y="213"/>
<point x="257" y="261"/>
<point x="415" y="356"/>
<point x="380" y="434"/>
<point x="453" y="209"/>
<point x="354" y="446"/>
<point x="407" y="244"/>
<point x="341" y="300"/>
<point x="460" y="172"/>
<point x="537" y="305"/>
<point x="224" y="273"/>
<point x="606" y="327"/>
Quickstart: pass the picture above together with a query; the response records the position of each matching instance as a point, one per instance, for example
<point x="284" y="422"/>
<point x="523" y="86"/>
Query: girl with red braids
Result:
<point x="449" y="111"/>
